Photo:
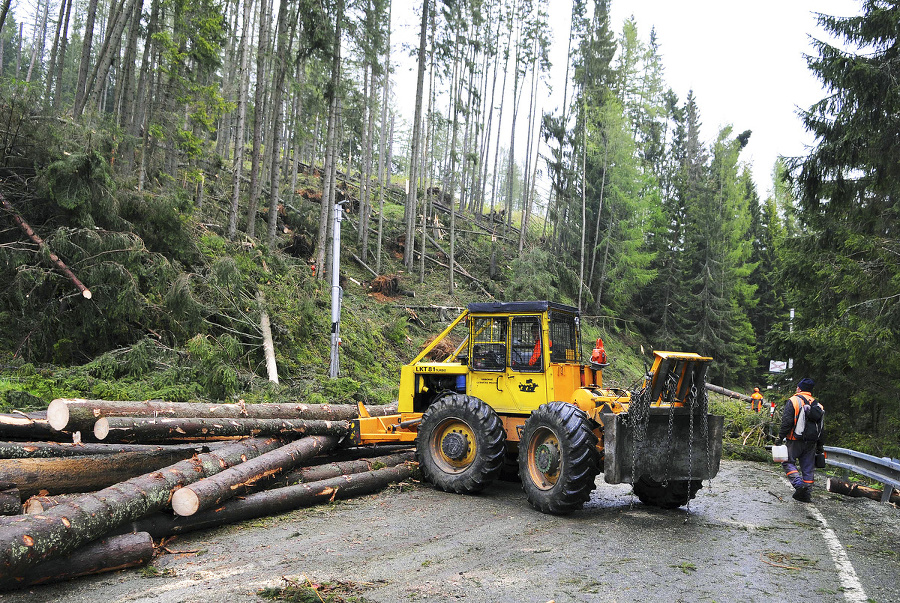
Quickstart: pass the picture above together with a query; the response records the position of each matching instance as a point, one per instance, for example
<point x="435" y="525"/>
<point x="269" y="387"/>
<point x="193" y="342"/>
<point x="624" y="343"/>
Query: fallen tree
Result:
<point x="146" y="429"/>
<point x="30" y="539"/>
<point x="35" y="450"/>
<point x="277" y="500"/>
<point x="109" y="554"/>
<point x="76" y="413"/>
<point x="335" y="469"/>
<point x="856" y="491"/>
<point x="85" y="473"/>
<point x="237" y="480"/>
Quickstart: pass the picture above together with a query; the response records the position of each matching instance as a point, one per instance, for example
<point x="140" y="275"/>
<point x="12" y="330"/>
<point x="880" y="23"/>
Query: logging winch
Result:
<point x="515" y="395"/>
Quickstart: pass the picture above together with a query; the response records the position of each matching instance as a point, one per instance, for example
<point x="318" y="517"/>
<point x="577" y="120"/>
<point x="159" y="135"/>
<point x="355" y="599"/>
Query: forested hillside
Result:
<point x="181" y="160"/>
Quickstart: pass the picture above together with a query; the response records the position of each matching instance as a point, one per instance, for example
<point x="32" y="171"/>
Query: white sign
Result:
<point x="777" y="366"/>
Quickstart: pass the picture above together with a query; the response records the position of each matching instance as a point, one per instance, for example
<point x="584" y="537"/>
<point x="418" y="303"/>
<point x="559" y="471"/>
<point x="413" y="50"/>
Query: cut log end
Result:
<point x="87" y="294"/>
<point x="58" y="414"/>
<point x="185" y="502"/>
<point x="101" y="428"/>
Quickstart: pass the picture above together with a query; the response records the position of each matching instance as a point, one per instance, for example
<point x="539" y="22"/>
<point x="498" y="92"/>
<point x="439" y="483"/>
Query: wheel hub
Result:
<point x="546" y="458"/>
<point x="455" y="446"/>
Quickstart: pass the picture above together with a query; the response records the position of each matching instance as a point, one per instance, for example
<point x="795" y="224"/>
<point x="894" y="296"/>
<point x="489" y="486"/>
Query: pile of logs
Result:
<point x="88" y="485"/>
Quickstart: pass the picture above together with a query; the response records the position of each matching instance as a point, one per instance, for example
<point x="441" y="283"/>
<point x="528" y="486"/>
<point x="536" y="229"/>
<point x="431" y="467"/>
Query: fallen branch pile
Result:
<point x="71" y="508"/>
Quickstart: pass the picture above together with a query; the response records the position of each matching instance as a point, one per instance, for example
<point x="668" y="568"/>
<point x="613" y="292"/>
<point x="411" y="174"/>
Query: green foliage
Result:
<point x="78" y="179"/>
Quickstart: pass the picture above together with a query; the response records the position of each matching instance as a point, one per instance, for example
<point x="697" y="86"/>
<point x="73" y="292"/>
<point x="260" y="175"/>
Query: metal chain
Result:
<point x="638" y="420"/>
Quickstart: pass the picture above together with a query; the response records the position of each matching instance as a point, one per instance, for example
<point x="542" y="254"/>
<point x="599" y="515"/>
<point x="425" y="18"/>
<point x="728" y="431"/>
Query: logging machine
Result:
<point x="514" y="395"/>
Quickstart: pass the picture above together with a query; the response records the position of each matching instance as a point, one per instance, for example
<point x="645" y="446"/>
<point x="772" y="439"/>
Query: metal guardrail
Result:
<point x="883" y="470"/>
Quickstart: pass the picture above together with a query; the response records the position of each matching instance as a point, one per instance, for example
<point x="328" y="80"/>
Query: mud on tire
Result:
<point x="461" y="444"/>
<point x="558" y="458"/>
<point x="674" y="494"/>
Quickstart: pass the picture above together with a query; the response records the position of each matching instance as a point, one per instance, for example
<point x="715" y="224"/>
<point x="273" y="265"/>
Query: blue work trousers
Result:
<point x="801" y="464"/>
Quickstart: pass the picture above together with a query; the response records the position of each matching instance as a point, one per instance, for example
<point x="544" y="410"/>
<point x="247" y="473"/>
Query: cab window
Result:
<point x="526" y="353"/>
<point x="563" y="338"/>
<point x="488" y="344"/>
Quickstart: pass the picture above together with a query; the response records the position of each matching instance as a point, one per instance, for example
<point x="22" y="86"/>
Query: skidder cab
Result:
<point x="515" y="393"/>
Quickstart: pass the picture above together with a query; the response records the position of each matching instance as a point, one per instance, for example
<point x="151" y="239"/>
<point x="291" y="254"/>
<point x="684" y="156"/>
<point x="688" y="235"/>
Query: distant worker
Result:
<point x="536" y="354"/>
<point x="756" y="400"/>
<point x="801" y="427"/>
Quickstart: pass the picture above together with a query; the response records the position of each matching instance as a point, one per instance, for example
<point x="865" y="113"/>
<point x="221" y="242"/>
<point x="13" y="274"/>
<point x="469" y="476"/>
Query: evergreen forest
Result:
<point x="170" y="169"/>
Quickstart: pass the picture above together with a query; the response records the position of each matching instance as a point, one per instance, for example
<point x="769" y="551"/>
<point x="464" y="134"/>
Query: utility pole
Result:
<point x="336" y="292"/>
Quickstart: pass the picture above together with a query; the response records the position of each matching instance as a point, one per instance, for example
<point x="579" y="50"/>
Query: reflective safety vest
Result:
<point x="756" y="401"/>
<point x="798" y="400"/>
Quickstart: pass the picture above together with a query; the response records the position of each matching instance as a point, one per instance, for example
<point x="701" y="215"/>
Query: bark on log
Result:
<point x="46" y="450"/>
<point x="86" y="473"/>
<point x="237" y="480"/>
<point x="31" y="539"/>
<point x="107" y="555"/>
<point x="727" y="392"/>
<point x="37" y="504"/>
<point x="146" y="429"/>
<point x="33" y="426"/>
<point x="10" y="501"/>
<point x="75" y="413"/>
<point x="856" y="491"/>
<point x="329" y="470"/>
<point x="269" y="502"/>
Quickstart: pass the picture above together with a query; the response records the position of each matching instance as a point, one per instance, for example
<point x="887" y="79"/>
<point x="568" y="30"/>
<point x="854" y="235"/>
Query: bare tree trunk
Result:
<point x="259" y="104"/>
<point x="243" y="83"/>
<point x="285" y="38"/>
<point x="58" y="43"/>
<point x="3" y="12"/>
<point x="412" y="197"/>
<point x="328" y="188"/>
<point x="383" y="178"/>
<point x="39" y="40"/>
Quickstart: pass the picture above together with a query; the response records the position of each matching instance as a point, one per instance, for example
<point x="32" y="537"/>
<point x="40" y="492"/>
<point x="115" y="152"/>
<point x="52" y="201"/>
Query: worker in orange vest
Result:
<point x="756" y="400"/>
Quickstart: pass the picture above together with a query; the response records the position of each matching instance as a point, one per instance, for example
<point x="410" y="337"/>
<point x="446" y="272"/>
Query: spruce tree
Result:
<point x="843" y="267"/>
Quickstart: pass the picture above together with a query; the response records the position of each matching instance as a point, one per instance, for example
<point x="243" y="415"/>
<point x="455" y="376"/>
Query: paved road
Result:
<point x="743" y="539"/>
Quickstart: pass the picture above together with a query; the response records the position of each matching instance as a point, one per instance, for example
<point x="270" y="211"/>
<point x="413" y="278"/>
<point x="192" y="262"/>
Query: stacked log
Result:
<point x="162" y="468"/>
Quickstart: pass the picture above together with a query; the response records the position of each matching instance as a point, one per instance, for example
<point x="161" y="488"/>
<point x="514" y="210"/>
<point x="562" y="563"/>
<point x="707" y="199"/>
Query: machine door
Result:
<point x="489" y="362"/>
<point x="527" y="377"/>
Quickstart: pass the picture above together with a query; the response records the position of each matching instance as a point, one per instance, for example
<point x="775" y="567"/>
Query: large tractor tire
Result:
<point x="558" y="458"/>
<point x="461" y="444"/>
<point x="674" y="494"/>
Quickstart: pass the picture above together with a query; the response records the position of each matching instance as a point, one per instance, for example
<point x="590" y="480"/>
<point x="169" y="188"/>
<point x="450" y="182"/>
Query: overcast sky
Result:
<point x="743" y="60"/>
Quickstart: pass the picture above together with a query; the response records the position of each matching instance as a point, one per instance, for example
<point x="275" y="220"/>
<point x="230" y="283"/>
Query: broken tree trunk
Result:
<point x="856" y="491"/>
<point x="239" y="479"/>
<point x="280" y="500"/>
<point x="85" y="292"/>
<point x="727" y="392"/>
<point x="85" y="473"/>
<point x="109" y="554"/>
<point x="329" y="470"/>
<point x="44" y="450"/>
<point x="268" y="345"/>
<point x="146" y="429"/>
<point x="75" y="413"/>
<point x="31" y="539"/>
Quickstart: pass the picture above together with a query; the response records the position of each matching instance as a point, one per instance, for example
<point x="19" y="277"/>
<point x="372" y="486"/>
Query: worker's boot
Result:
<point x="803" y="495"/>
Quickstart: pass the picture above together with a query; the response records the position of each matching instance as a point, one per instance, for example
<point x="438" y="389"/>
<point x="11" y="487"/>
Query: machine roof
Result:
<point x="519" y="306"/>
